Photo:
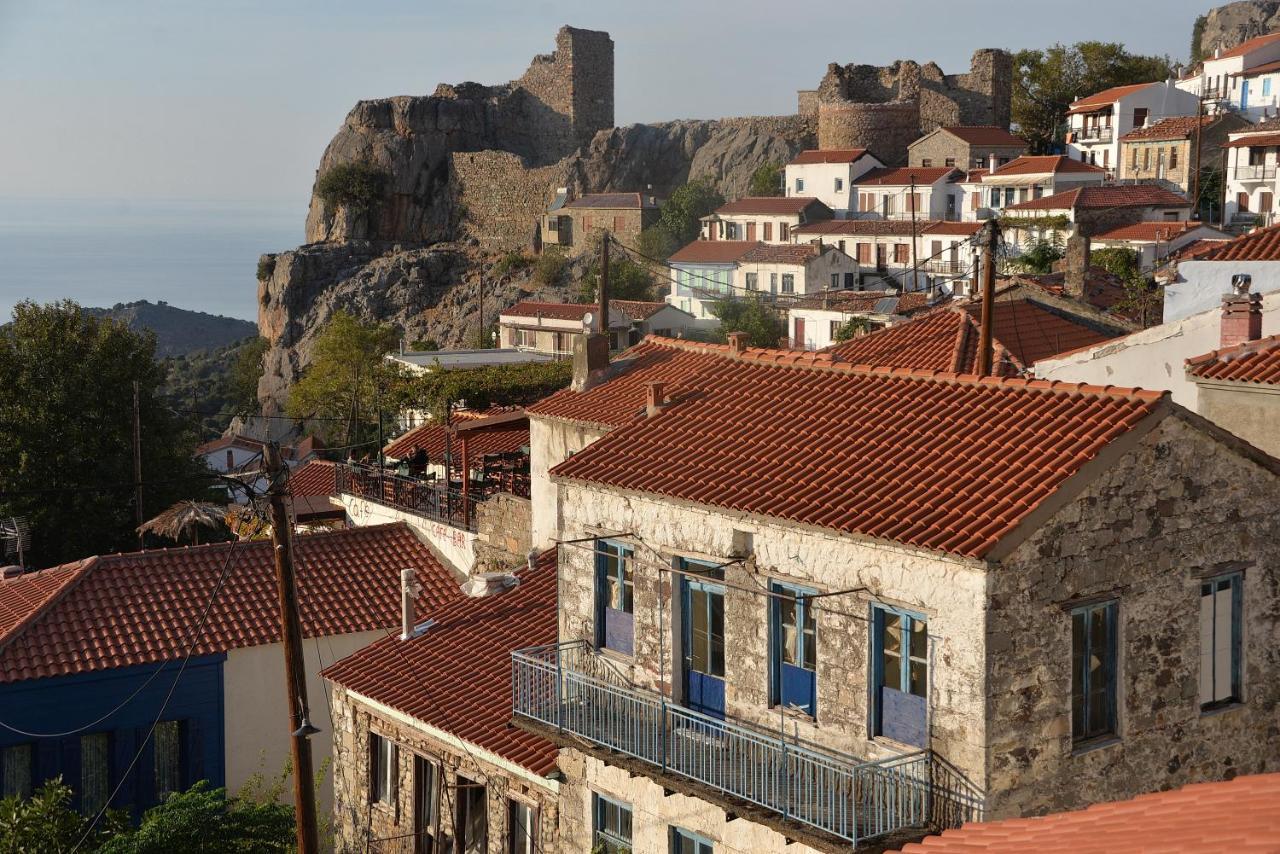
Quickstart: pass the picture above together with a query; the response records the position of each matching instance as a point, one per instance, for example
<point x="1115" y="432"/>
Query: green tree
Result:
<point x="246" y="370"/>
<point x="45" y="823"/>
<point x="480" y="388"/>
<point x="1197" y="36"/>
<point x="206" y="821"/>
<point x="766" y="180"/>
<point x="1047" y="81"/>
<point x="348" y="380"/>
<point x="1039" y="258"/>
<point x="627" y="280"/>
<point x="1118" y="261"/>
<point x="550" y="267"/>
<point x="357" y="185"/>
<point x="852" y="328"/>
<point x="66" y="423"/>
<point x="759" y="321"/>
<point x="680" y="220"/>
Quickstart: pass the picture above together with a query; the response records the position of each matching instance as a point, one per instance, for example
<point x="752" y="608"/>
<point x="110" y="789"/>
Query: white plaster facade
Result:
<point x="940" y="199"/>
<point x="1239" y="80"/>
<point x="830" y="183"/>
<point x="830" y="269"/>
<point x="1200" y="285"/>
<point x="455" y="546"/>
<point x="1251" y="178"/>
<point x="1095" y="130"/>
<point x="987" y="195"/>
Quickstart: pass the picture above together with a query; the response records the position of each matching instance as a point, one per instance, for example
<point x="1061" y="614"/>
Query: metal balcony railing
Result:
<point x="1255" y="172"/>
<point x="413" y="495"/>
<point x="948" y="268"/>
<point x="569" y="687"/>
<point x="1094" y="134"/>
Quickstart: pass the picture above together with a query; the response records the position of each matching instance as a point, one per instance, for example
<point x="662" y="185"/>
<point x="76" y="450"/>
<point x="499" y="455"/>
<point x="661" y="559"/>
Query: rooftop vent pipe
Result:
<point x="485" y="584"/>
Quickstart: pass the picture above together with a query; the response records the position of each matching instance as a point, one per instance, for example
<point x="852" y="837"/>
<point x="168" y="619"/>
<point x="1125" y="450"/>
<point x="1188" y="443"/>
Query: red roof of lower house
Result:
<point x="1248" y="45"/>
<point x="1260" y="245"/>
<point x="941" y="461"/>
<point x="1253" y="362"/>
<point x="1149" y="232"/>
<point x="1106" y="196"/>
<point x="1173" y="128"/>
<point x="712" y="251"/>
<point x="1050" y="164"/>
<point x="781" y="253"/>
<point x="614" y="201"/>
<point x="502" y="435"/>
<point x="903" y="176"/>
<point x="318" y="477"/>
<point x="828" y="155"/>
<point x="1105" y="98"/>
<point x="1239" y="815"/>
<point x="130" y="609"/>
<point x="456" y="676"/>
<point x="984" y="135"/>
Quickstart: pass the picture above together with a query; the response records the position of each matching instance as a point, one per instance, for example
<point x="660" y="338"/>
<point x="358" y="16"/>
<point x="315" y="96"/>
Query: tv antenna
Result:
<point x="15" y="537"/>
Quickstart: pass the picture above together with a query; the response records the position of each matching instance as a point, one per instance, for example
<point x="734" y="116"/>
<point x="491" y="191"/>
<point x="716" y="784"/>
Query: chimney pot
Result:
<point x="1241" y="319"/>
<point x="737" y="343"/>
<point x="408" y="592"/>
<point x="655" y="398"/>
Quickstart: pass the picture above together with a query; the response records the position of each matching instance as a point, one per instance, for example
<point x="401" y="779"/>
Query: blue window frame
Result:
<point x="702" y="635"/>
<point x="900" y="674"/>
<point x="686" y="842"/>
<point x="1221" y="640"/>
<point x="615" y="584"/>
<point x="611" y="825"/>
<point x="793" y="648"/>
<point x="1093" y="671"/>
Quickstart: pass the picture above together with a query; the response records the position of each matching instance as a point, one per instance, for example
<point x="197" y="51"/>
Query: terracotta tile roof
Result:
<point x="863" y="301"/>
<point x="712" y="251"/>
<point x="900" y="176"/>
<point x="1148" y="231"/>
<point x="1048" y="165"/>
<point x="1248" y="45"/>
<point x="785" y="253"/>
<point x="944" y="462"/>
<point x="456" y="676"/>
<point x="634" y="309"/>
<point x="984" y="135"/>
<point x="128" y="609"/>
<point x="858" y="226"/>
<point x="962" y="228"/>
<point x="1260" y="245"/>
<point x="318" y="477"/>
<point x="1105" y="98"/>
<point x="1196" y="248"/>
<point x="508" y="436"/>
<point x="1176" y="127"/>
<point x="223" y="442"/>
<point x="1107" y="196"/>
<point x="1264" y="68"/>
<point x="776" y="205"/>
<point x="1023" y="332"/>
<point x="1256" y="362"/>
<point x="1239" y="815"/>
<point x="25" y="596"/>
<point x="609" y="200"/>
<point x="828" y="155"/>
<point x="637" y="309"/>
<point x="1253" y="140"/>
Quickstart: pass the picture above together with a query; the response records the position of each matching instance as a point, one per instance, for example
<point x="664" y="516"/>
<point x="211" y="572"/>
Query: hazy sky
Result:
<point x="236" y="99"/>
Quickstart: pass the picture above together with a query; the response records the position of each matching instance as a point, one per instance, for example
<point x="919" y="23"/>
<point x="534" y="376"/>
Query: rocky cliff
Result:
<point x="1229" y="25"/>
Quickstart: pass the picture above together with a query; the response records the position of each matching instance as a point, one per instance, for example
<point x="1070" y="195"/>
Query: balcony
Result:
<point x="1094" y="134"/>
<point x="949" y="268"/>
<point x="419" y="496"/>
<point x="791" y="784"/>
<point x="1255" y="172"/>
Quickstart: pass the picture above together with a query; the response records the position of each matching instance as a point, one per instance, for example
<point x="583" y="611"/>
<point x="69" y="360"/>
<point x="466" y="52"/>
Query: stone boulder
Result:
<point x="1229" y="25"/>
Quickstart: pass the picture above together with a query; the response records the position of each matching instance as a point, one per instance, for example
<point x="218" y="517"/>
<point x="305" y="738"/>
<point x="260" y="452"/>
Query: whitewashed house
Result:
<point x="902" y="255"/>
<point x="1093" y="208"/>
<point x="1205" y="276"/>
<point x="794" y="270"/>
<point x="552" y="328"/>
<point x="767" y="219"/>
<point x="815" y="322"/>
<point x="1252" y="157"/>
<point x="828" y="175"/>
<point x="1098" y="121"/>
<point x="1243" y="79"/>
<point x="922" y="192"/>
<point x="703" y="272"/>
<point x="989" y="191"/>
<point x="1155" y="241"/>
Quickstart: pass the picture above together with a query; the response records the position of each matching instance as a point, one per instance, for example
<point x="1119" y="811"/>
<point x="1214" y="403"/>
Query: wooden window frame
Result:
<point x="1082" y="679"/>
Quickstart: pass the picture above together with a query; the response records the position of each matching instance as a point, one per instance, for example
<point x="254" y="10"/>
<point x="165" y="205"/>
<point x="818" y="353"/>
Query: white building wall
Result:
<point x="551" y="442"/>
<point x="1201" y="285"/>
<point x="830" y="183"/>
<point x="1161" y="101"/>
<point x="452" y="545"/>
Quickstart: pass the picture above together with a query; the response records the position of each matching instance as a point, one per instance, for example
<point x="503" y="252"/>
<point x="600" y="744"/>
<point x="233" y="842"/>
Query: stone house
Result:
<point x="888" y="599"/>
<point x="966" y="148"/>
<point x="1090" y="209"/>
<point x="828" y="175"/>
<point x="890" y="252"/>
<point x="909" y="193"/>
<point x="1166" y="150"/>
<point x="1098" y="121"/>
<point x="989" y="191"/>
<point x="426" y="760"/>
<point x="552" y="328"/>
<point x="767" y="219"/>
<point x="570" y="222"/>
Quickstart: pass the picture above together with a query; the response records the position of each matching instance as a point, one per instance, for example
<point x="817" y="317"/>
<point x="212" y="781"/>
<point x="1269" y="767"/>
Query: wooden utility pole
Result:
<point x="300" y="727"/>
<point x="990" y="239"/>
<point x="915" y="264"/>
<point x="603" y="324"/>
<point x="137" y="463"/>
<point x="1195" y="179"/>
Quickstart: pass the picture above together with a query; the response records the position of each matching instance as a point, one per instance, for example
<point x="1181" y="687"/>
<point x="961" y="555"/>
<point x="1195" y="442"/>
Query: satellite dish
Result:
<point x="589" y="321"/>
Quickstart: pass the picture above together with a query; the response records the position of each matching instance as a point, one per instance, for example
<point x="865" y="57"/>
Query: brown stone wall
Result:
<point x="1148" y="160"/>
<point x="501" y="200"/>
<point x="1178" y="507"/>
<point x="503" y="532"/>
<point x="361" y="826"/>
<point x="885" y="129"/>
<point x="936" y="148"/>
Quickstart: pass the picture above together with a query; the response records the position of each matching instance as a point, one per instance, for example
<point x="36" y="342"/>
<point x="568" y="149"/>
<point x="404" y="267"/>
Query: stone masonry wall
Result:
<point x="362" y="826"/>
<point x="937" y="148"/>
<point x="1179" y="507"/>
<point x="503" y="527"/>
<point x="500" y="199"/>
<point x="886" y="129"/>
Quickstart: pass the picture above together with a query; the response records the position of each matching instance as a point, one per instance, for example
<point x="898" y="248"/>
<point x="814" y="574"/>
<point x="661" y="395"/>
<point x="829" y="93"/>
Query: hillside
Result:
<point x="177" y="330"/>
<point x="1227" y="26"/>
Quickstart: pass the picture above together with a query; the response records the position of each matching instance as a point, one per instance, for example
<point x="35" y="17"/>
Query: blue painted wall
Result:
<point x="68" y="702"/>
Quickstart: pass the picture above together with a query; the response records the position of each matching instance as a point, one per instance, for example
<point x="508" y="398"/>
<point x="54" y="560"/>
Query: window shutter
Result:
<point x="1222" y="641"/>
<point x="1206" y="645"/>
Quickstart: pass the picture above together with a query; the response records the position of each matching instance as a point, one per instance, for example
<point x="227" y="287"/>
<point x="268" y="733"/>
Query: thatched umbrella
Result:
<point x="185" y="519"/>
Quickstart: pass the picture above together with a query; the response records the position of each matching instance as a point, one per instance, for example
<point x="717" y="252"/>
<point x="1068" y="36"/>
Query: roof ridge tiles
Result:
<point x="1244" y="348"/>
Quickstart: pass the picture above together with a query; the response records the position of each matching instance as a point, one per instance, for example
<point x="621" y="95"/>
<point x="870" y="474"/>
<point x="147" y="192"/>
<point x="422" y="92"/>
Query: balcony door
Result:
<point x="702" y="624"/>
<point x="793" y="654"/>
<point x="900" y="675"/>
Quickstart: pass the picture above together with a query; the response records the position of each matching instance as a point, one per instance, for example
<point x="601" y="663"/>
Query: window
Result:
<point x="835" y="281"/>
<point x="471" y="821"/>
<point x="900" y="672"/>
<point x="793" y="654"/>
<point x="1093" y="671"/>
<point x="773" y="283"/>
<point x="1173" y="157"/>
<point x="926" y="162"/>
<point x="611" y="828"/>
<point x="95" y="772"/>
<point x="839" y="185"/>
<point x="848" y="281"/>
<point x="886" y="205"/>
<point x="901" y="253"/>
<point x="521" y="828"/>
<point x="768" y="232"/>
<point x="864" y="253"/>
<point x="383" y="780"/>
<point x="1266" y="86"/>
<point x="168" y="758"/>
<point x="1008" y="196"/>
<point x="1139" y="116"/>
<point x="15" y="771"/>
<point x="615" y="623"/>
<point x="799" y="185"/>
<point x="731" y="230"/>
<point x="835" y="328"/>
<point x="784" y="232"/>
<point x="1135" y="157"/>
<point x="753" y="281"/>
<point x="684" y="842"/>
<point x="995" y="197"/>
<point x="425" y="785"/>
<point x="1221" y="602"/>
<point x="788" y="283"/>
<point x="1146" y="158"/>
<point x="950" y="161"/>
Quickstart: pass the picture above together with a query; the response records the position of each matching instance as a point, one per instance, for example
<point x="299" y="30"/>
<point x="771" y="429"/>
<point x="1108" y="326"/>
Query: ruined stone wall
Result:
<point x="1179" y="507"/>
<point x="499" y="199"/>
<point x="357" y="821"/>
<point x="886" y="129"/>
<point x="571" y="90"/>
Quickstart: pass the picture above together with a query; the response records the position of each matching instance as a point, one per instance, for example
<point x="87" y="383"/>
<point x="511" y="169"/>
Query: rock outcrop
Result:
<point x="1229" y="25"/>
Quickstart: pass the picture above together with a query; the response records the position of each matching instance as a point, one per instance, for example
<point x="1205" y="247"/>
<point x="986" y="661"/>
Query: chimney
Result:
<point x="655" y="399"/>
<point x="737" y="343"/>
<point x="1077" y="264"/>
<point x="1241" y="319"/>
<point x="485" y="584"/>
<point x="991" y="163"/>
<point x="590" y="359"/>
<point x="409" y="591"/>
<point x="1217" y="52"/>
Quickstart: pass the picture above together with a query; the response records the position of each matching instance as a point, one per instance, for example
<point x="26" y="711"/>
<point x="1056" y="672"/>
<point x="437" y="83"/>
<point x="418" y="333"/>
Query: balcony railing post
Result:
<point x="662" y="732"/>
<point x="786" y="782"/>
<point x="559" y="695"/>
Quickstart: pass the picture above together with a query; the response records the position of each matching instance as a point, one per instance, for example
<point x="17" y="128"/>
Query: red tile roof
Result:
<point x="637" y="309"/>
<point x="961" y="228"/>
<point x="902" y="176"/>
<point x="828" y="155"/>
<point x="1107" y="196"/>
<point x="776" y="205"/>
<point x="129" y="609"/>
<point x="634" y="309"/>
<point x="1260" y="245"/>
<point x="1248" y="45"/>
<point x="505" y="436"/>
<point x="944" y="462"/>
<point x="1264" y="68"/>
<point x="1176" y="127"/>
<point x="984" y="135"/>
<point x="863" y="301"/>
<point x="1253" y="141"/>
<point x="25" y="596"/>
<point x="456" y="676"/>
<point x="1023" y="332"/>
<point x="222" y="442"/>
<point x="609" y="200"/>
<point x="1105" y="98"/>
<point x="858" y="226"/>
<point x="785" y="253"/>
<point x="1238" y="815"/>
<point x="1047" y="164"/>
<point x="1256" y="362"/>
<point x="1148" y="231"/>
<point x="318" y="477"/>
<point x="712" y="251"/>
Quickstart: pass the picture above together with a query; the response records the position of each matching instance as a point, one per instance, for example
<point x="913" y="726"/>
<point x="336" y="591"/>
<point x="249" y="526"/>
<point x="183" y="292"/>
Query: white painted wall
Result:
<point x="453" y="545"/>
<point x="256" y="710"/>
<point x="830" y="183"/>
<point x="551" y="442"/>
<point x="1153" y="358"/>
<point x="1202" y="284"/>
<point x="1161" y="101"/>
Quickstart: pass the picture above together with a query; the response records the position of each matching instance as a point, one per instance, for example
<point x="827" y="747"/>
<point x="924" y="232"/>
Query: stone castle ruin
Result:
<point x="884" y="109"/>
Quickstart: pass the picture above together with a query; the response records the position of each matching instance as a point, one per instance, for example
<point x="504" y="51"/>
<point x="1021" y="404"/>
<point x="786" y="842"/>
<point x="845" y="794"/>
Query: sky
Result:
<point x="234" y="100"/>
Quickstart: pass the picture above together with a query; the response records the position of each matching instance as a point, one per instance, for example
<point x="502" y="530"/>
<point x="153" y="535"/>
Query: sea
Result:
<point x="197" y="255"/>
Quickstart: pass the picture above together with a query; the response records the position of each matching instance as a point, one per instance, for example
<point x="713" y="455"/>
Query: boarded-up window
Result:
<point x="768" y="232"/>
<point x="901" y="253"/>
<point x="864" y="253"/>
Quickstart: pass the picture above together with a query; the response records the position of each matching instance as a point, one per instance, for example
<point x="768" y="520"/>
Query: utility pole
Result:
<point x="137" y="463"/>
<point x="990" y="240"/>
<point x="1195" y="179"/>
<point x="300" y="727"/>
<point x="603" y="325"/>
<point x="915" y="264"/>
